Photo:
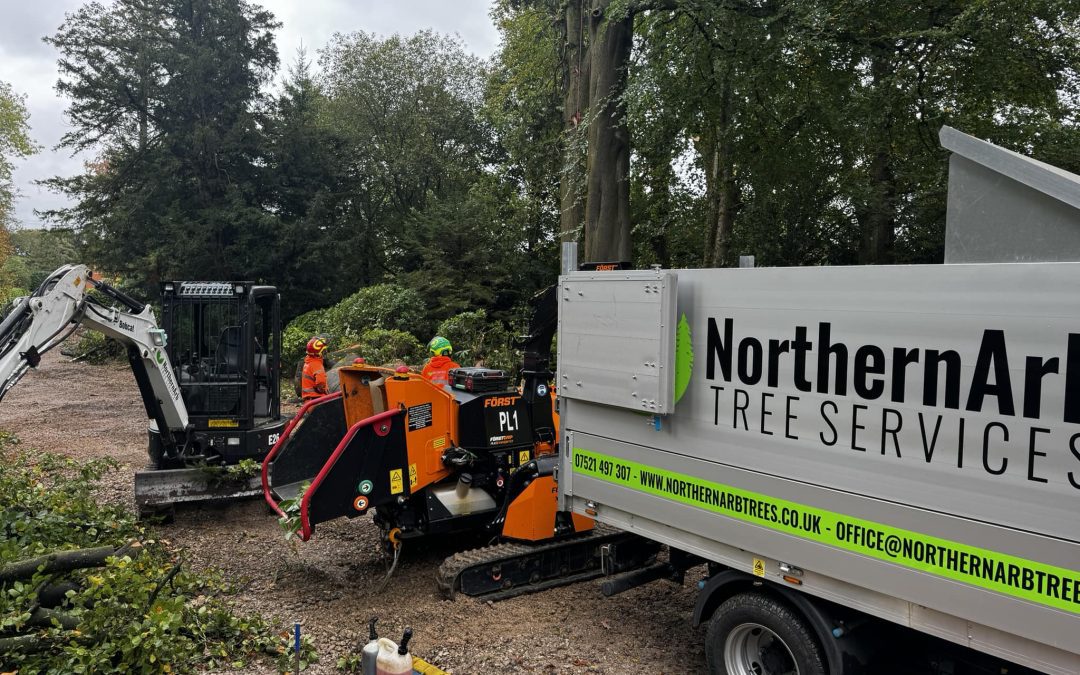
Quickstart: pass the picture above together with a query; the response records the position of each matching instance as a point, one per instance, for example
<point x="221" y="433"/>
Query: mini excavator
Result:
<point x="208" y="376"/>
<point x="475" y="456"/>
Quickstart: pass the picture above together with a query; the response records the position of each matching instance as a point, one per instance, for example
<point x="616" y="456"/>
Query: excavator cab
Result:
<point x="224" y="342"/>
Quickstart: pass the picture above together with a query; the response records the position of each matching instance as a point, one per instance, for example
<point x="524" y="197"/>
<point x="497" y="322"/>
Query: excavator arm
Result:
<point x="61" y="304"/>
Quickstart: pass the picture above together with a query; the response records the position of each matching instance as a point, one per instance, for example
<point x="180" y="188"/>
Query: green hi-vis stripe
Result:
<point x="1034" y="581"/>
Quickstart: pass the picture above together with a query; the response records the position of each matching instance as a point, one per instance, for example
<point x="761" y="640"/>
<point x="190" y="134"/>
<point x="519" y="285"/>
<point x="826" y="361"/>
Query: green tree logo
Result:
<point x="684" y="357"/>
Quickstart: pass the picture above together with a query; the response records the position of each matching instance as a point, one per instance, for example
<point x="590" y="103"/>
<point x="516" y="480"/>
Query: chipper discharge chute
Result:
<point x="477" y="456"/>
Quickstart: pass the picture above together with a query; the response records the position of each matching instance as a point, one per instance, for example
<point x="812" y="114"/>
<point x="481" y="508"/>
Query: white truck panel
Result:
<point x="933" y="456"/>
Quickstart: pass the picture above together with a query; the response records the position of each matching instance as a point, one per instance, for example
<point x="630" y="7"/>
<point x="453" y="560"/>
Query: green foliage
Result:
<point x="141" y="612"/>
<point x="806" y="132"/>
<point x="388" y="347"/>
<point x="95" y="348"/>
<point x="477" y="339"/>
<point x="38" y="253"/>
<point x="390" y="308"/>
<point x="9" y="293"/>
<point x="15" y="143"/>
<point x="386" y="306"/>
<point x="290" y="522"/>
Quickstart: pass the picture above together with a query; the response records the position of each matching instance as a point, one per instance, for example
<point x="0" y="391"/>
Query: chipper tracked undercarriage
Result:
<point x="477" y="457"/>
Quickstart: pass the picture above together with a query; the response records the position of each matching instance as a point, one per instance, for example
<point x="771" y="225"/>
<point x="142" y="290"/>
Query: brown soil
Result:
<point x="328" y="583"/>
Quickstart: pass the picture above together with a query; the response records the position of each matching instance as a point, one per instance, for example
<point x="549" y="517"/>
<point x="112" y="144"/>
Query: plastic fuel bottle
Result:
<point x="395" y="660"/>
<point x="369" y="655"/>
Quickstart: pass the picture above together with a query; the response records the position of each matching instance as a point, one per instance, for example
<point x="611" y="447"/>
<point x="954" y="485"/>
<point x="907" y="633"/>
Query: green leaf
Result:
<point x="684" y="357"/>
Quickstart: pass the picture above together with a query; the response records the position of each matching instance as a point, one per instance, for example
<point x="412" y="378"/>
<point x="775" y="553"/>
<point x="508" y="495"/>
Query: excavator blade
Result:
<point x="157" y="490"/>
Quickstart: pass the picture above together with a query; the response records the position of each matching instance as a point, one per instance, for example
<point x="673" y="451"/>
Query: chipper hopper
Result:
<point x="477" y="456"/>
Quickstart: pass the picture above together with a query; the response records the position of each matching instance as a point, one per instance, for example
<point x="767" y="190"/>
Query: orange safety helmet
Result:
<point x="316" y="346"/>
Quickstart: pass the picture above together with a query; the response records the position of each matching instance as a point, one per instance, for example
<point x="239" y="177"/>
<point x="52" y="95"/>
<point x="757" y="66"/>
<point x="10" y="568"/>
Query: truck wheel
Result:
<point x="755" y="634"/>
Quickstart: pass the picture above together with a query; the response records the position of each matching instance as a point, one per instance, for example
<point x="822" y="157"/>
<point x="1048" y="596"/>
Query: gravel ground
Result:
<point x="328" y="583"/>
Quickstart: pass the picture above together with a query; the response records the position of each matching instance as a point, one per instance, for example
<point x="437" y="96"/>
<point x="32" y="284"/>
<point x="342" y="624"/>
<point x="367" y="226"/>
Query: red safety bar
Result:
<point x="308" y="405"/>
<point x="381" y="422"/>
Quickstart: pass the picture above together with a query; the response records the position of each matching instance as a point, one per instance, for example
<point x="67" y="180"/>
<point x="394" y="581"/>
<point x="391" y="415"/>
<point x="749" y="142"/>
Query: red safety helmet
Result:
<point x="316" y="346"/>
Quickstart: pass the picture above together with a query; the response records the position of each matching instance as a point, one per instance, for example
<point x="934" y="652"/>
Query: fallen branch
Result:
<point x="161" y="584"/>
<point x="25" y="643"/>
<point x="45" y="617"/>
<point x="55" y="594"/>
<point x="62" y="561"/>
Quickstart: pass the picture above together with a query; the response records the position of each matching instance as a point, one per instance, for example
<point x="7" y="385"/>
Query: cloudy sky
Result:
<point x="30" y="65"/>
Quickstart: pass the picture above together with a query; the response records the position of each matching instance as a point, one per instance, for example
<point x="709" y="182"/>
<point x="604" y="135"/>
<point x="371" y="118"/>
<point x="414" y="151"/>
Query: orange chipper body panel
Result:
<point x="429" y="415"/>
<point x="531" y="517"/>
<point x="431" y="424"/>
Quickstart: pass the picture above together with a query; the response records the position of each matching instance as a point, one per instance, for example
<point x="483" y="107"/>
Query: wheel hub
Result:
<point x="753" y="649"/>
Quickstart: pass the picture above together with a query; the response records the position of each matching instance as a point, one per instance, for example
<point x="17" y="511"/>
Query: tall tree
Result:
<point x="305" y="163"/>
<point x="407" y="111"/>
<point x="169" y="95"/>
<point x="15" y="143"/>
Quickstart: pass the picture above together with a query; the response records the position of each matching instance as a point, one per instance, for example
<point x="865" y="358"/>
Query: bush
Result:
<point x="479" y="340"/>
<point x="93" y="347"/>
<point x="383" y="306"/>
<point x="140" y="612"/>
<point x="387" y="306"/>
<point x="295" y="336"/>
<point x="387" y="347"/>
<point x="9" y="293"/>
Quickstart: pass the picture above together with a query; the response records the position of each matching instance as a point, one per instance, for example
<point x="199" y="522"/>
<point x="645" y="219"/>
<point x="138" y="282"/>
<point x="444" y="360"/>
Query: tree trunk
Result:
<point x="607" y="202"/>
<point x="722" y="197"/>
<point x="575" y="103"/>
<point x="877" y="218"/>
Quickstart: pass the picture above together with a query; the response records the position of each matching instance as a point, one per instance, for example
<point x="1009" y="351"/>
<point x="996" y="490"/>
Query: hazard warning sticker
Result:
<point x="397" y="482"/>
<point x="759" y="567"/>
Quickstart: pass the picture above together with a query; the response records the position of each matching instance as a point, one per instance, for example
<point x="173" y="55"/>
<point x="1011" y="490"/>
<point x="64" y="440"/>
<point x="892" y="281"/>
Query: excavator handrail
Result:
<point x="308" y="405"/>
<point x="305" y="523"/>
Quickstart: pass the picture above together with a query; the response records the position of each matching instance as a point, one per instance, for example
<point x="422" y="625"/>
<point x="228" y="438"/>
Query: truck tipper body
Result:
<point x="901" y="442"/>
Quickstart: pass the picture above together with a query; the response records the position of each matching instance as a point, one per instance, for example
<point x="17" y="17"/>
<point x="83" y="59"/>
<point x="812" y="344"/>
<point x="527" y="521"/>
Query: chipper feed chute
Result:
<point x="332" y="441"/>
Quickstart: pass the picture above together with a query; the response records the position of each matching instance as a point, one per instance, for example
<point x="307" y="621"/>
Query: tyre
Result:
<point x="756" y="634"/>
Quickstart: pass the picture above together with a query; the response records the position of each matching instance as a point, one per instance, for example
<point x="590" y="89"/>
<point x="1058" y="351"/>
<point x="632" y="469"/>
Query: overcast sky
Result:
<point x="30" y="65"/>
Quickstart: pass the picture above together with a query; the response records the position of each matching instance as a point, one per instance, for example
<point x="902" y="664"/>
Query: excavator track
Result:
<point x="508" y="569"/>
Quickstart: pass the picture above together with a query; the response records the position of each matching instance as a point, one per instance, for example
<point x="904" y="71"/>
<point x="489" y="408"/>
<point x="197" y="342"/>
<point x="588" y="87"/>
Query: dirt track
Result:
<point x="327" y="583"/>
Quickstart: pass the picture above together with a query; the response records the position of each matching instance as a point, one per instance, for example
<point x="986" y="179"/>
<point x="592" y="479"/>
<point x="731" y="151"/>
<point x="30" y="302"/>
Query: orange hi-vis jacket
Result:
<point x="313" y="381"/>
<point x="437" y="369"/>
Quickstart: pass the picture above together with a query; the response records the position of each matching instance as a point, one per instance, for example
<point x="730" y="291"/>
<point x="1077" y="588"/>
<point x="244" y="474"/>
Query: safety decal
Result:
<point x="759" y="567"/>
<point x="523" y="457"/>
<point x="397" y="484"/>
<point x="419" y="416"/>
<point x="1030" y="580"/>
<point x="412" y="476"/>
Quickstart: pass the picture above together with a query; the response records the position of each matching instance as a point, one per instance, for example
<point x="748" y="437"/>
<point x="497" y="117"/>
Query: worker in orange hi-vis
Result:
<point x="313" y="381"/>
<point x="439" y="365"/>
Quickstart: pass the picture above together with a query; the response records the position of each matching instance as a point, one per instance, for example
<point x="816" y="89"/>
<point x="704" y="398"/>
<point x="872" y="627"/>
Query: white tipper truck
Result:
<point x="898" y="442"/>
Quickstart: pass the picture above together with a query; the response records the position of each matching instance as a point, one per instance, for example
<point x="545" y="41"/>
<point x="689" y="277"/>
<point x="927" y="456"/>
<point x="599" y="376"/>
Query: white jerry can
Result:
<point x="394" y="659"/>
